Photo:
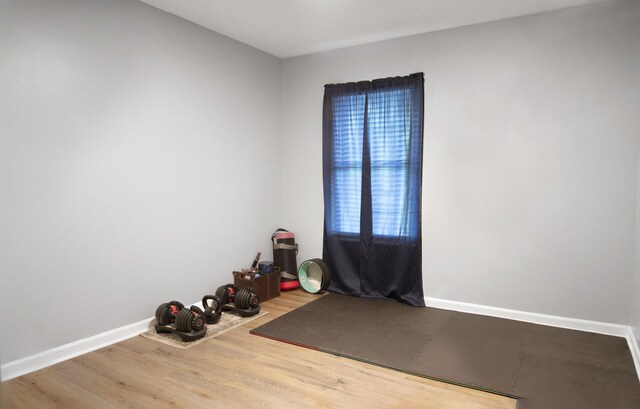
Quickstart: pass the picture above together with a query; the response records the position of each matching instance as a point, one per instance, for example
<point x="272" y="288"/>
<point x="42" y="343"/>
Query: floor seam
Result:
<point x="434" y="336"/>
<point x="523" y="352"/>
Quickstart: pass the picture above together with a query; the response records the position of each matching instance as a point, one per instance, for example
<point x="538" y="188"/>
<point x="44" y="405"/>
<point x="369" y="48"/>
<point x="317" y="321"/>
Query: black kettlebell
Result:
<point x="212" y="309"/>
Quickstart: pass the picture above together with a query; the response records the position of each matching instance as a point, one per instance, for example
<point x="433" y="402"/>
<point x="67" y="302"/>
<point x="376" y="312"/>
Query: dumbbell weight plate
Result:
<point x="183" y="320"/>
<point x="226" y="293"/>
<point x="246" y="298"/>
<point x="163" y="317"/>
<point x="240" y="299"/>
<point x="197" y="319"/>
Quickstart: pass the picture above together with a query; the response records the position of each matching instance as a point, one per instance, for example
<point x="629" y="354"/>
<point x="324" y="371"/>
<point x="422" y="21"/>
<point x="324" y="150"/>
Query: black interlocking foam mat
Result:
<point x="543" y="367"/>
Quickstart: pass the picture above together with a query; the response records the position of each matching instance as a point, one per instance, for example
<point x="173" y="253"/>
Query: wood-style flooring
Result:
<point x="234" y="370"/>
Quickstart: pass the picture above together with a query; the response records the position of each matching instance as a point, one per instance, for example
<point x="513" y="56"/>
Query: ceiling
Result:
<point x="287" y="28"/>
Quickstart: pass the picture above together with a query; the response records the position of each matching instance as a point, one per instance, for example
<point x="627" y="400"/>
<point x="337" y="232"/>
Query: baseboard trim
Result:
<point x="632" y="340"/>
<point x="606" y="328"/>
<point x="551" y="320"/>
<point x="73" y="349"/>
<point x="61" y="353"/>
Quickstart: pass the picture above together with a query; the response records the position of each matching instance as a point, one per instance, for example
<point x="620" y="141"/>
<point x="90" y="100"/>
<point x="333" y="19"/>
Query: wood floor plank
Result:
<point x="236" y="370"/>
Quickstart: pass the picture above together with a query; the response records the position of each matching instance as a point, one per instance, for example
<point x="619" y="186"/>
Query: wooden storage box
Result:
<point x="267" y="286"/>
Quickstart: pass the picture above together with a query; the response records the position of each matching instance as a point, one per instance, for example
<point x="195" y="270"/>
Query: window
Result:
<point x="376" y="129"/>
<point x="372" y="168"/>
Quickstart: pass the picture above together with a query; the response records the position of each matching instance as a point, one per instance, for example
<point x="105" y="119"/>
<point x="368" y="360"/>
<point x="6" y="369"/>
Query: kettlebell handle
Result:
<point x="205" y="302"/>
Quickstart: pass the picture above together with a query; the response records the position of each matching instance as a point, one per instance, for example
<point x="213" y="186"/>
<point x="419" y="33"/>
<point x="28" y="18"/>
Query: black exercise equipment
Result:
<point x="185" y="336"/>
<point x="166" y="312"/>
<point x="212" y="309"/>
<point x="245" y="301"/>
<point x="247" y="298"/>
<point x="187" y="323"/>
<point x="226" y="293"/>
<point x="191" y="319"/>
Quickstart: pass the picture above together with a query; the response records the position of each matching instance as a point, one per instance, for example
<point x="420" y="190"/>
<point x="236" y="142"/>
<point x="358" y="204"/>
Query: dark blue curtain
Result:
<point x="372" y="166"/>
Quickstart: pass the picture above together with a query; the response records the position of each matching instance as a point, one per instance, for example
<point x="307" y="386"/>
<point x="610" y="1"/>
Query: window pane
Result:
<point x="348" y="125"/>
<point x="389" y="201"/>
<point x="347" y="184"/>
<point x="389" y="126"/>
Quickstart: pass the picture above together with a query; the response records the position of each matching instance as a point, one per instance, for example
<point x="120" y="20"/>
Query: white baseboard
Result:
<point x="61" y="353"/>
<point x="632" y="340"/>
<point x="624" y="331"/>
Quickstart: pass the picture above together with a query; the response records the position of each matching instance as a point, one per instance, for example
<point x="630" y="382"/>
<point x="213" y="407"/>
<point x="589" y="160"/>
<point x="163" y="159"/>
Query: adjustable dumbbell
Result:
<point x="244" y="301"/>
<point x="166" y="313"/>
<point x="226" y="293"/>
<point x="247" y="298"/>
<point x="187" y="323"/>
<point x="191" y="319"/>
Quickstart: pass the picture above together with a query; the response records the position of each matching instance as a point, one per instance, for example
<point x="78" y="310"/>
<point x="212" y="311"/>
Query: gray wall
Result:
<point x="635" y="301"/>
<point x="530" y="156"/>
<point x="130" y="168"/>
<point x="136" y="154"/>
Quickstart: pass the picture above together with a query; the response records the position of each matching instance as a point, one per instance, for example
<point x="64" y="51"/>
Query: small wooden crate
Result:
<point x="267" y="286"/>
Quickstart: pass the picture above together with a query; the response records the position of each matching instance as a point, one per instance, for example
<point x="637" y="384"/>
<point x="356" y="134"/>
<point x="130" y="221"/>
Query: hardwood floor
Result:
<point x="234" y="370"/>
